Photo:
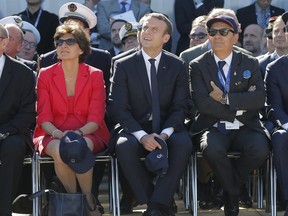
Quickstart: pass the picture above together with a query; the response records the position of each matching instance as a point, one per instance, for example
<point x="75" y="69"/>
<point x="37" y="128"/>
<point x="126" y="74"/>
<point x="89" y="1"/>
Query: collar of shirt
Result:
<point x="2" y="61"/>
<point x="127" y="5"/>
<point x="259" y="9"/>
<point x="148" y="65"/>
<point x="228" y="61"/>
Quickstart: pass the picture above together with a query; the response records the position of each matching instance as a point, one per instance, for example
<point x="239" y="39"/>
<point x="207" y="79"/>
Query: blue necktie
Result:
<point x="221" y="65"/>
<point x="123" y="9"/>
<point x="155" y="98"/>
<point x="221" y="126"/>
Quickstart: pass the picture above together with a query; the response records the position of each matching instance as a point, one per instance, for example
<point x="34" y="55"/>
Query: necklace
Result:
<point x="69" y="79"/>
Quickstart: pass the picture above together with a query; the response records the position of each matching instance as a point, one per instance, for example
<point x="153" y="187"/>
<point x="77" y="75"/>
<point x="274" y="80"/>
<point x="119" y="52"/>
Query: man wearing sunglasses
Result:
<point x="277" y="98"/>
<point x="228" y="91"/>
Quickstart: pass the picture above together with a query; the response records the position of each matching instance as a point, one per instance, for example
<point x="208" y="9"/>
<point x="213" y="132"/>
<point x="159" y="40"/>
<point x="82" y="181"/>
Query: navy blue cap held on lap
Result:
<point x="75" y="153"/>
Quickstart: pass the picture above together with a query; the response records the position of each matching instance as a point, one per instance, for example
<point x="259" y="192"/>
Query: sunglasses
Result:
<point x="223" y="32"/>
<point x="200" y="35"/>
<point x="69" y="42"/>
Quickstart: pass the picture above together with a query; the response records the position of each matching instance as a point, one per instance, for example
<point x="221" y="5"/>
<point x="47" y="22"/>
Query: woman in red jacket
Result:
<point x="71" y="97"/>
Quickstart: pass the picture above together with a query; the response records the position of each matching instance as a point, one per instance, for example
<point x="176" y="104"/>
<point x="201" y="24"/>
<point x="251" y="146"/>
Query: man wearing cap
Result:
<point x="44" y="21"/>
<point x="228" y="91"/>
<point x="128" y="36"/>
<point x="17" y="114"/>
<point x="277" y="98"/>
<point x="30" y="41"/>
<point x="146" y="108"/>
<point x="98" y="58"/>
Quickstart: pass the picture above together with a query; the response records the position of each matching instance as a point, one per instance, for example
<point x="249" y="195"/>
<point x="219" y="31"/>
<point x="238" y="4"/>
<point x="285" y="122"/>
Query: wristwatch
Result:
<point x="223" y="99"/>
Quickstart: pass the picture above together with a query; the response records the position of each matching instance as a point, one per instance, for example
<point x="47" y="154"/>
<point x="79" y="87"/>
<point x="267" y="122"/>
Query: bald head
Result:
<point x="15" y="40"/>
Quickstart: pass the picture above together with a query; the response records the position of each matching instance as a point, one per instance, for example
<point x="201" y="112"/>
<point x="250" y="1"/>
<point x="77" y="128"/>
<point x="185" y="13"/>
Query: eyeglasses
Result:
<point x="30" y="44"/>
<point x="200" y="35"/>
<point x="69" y="42"/>
<point x="223" y="32"/>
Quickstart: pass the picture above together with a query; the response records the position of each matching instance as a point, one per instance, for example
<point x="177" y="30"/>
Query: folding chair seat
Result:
<point x="100" y="157"/>
<point x="193" y="203"/>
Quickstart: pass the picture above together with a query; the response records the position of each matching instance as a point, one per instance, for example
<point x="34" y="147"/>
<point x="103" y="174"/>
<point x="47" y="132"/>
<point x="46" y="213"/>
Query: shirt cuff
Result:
<point x="139" y="134"/>
<point x="239" y="112"/>
<point x="285" y="126"/>
<point x="169" y="131"/>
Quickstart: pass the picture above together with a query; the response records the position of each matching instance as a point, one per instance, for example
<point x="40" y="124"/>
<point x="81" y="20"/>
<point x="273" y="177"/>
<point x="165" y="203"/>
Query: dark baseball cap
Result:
<point x="157" y="160"/>
<point x="225" y="19"/>
<point x="75" y="153"/>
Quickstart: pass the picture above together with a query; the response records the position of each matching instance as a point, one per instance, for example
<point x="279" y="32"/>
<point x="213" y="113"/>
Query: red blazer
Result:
<point x="90" y="98"/>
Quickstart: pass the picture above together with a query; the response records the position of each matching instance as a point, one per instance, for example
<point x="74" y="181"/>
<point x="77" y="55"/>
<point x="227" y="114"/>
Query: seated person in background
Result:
<point x="198" y="33"/>
<point x="14" y="26"/>
<point x="280" y="43"/>
<point x="30" y="41"/>
<point x="276" y="86"/>
<point x="128" y="36"/>
<point x="65" y="105"/>
<point x="228" y="91"/>
<point x="254" y="40"/>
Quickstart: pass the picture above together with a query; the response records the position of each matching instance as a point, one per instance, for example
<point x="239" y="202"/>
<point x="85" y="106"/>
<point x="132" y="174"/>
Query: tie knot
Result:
<point x="123" y="3"/>
<point x="221" y="64"/>
<point x="152" y="61"/>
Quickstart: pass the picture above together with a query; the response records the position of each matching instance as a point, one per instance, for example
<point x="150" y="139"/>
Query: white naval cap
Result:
<point x="78" y="11"/>
<point x="12" y="20"/>
<point x="128" y="29"/>
<point x="29" y="27"/>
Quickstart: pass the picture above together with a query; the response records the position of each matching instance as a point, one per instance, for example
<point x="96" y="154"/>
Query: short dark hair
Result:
<point x="162" y="17"/>
<point x="72" y="27"/>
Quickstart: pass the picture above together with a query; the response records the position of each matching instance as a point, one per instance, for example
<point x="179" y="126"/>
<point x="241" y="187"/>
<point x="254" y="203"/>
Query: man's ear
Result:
<point x="166" y="38"/>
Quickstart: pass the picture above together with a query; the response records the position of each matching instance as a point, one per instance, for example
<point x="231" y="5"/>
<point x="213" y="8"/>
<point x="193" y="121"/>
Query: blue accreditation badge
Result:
<point x="247" y="74"/>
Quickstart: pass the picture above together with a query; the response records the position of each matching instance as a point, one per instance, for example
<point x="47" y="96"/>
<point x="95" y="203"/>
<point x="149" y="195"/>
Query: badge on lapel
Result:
<point x="246" y="74"/>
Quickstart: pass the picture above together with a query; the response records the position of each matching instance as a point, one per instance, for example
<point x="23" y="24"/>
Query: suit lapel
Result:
<point x="81" y="80"/>
<point x="6" y="75"/>
<point x="212" y="69"/>
<point x="235" y="76"/>
<point x="59" y="80"/>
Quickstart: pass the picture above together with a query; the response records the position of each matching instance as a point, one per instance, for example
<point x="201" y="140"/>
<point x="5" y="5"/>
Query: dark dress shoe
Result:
<point x="231" y="205"/>
<point x="126" y="205"/>
<point x="245" y="200"/>
<point x="219" y="199"/>
<point x="153" y="212"/>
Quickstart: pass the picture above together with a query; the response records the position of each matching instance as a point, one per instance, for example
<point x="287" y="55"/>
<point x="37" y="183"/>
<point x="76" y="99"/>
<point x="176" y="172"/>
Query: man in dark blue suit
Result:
<point x="143" y="115"/>
<point x="17" y="114"/>
<point x="257" y="13"/>
<point x="280" y="44"/>
<point x="277" y="97"/>
<point x="228" y="91"/>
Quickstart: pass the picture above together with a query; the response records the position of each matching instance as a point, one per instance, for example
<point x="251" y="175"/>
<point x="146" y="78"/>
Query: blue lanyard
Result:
<point x="222" y="79"/>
